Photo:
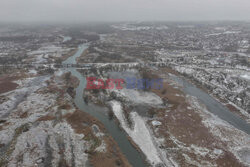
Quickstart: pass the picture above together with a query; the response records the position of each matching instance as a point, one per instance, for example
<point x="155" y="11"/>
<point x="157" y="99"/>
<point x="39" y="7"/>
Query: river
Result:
<point x="134" y="157"/>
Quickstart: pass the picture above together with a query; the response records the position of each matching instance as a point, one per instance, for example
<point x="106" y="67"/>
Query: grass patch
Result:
<point x="95" y="142"/>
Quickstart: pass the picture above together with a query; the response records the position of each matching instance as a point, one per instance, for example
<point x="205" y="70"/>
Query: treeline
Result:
<point x="11" y="59"/>
<point x="14" y="38"/>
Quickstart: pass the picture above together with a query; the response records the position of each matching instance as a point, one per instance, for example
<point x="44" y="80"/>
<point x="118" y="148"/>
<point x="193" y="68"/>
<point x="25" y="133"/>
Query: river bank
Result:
<point x="227" y="104"/>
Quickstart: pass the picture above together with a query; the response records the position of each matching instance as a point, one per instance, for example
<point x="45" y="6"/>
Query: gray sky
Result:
<point x="123" y="10"/>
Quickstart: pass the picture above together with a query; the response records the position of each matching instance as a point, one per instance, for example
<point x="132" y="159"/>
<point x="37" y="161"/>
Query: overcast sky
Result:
<point x="123" y="10"/>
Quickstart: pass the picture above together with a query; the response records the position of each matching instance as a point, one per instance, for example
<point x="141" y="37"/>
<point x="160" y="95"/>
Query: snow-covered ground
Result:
<point x="44" y="53"/>
<point x="140" y="134"/>
<point x="24" y="100"/>
<point x="26" y="87"/>
<point x="238" y="142"/>
<point x="26" y="141"/>
<point x="246" y="76"/>
<point x="140" y="97"/>
<point x="48" y="49"/>
<point x="33" y="145"/>
<point x="128" y="27"/>
<point x="32" y="71"/>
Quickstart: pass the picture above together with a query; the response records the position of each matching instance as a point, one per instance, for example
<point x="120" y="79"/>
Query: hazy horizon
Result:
<point x="123" y="10"/>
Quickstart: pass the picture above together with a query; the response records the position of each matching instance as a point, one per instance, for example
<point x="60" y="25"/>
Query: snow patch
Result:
<point x="246" y="76"/>
<point x="156" y="123"/>
<point x="140" y="133"/>
<point x="140" y="97"/>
